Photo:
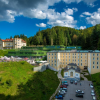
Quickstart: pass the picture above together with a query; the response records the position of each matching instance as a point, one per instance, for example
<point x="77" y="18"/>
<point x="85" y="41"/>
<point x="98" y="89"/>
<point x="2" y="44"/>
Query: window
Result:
<point x="55" y="57"/>
<point x="85" y="57"/>
<point x="85" y="54"/>
<point x="81" y="60"/>
<point x="81" y="64"/>
<point x="55" y="64"/>
<point x="52" y="53"/>
<point x="97" y="54"/>
<point x="81" y="56"/>
<point x="52" y="60"/>
<point x="93" y="58"/>
<point x="97" y="67"/>
<point x="55" y="60"/>
<point x="52" y="64"/>
<point x="75" y="56"/>
<point x="93" y="54"/>
<point x="49" y="53"/>
<point x="63" y="56"/>
<point x="93" y="62"/>
<point x="73" y="53"/>
<point x="66" y="59"/>
<point x="49" y="57"/>
<point x="63" y="59"/>
<point x="55" y="53"/>
<point x="52" y="57"/>
<point x="66" y="63"/>
<point x="69" y="53"/>
<point x="81" y="53"/>
<point x="63" y="53"/>
<point x="75" y="59"/>
<point x="78" y="63"/>
<point x="69" y="56"/>
<point x="49" y="60"/>
<point x="66" y="56"/>
<point x="76" y="74"/>
<point x="78" y="54"/>
<point x="69" y="59"/>
<point x="97" y="58"/>
<point x="97" y="62"/>
<point x="63" y="63"/>
<point x="78" y="60"/>
<point x="66" y="53"/>
<point x="85" y="60"/>
<point x="93" y="66"/>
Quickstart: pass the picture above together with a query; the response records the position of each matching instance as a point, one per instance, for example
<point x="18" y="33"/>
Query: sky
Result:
<point x="28" y="16"/>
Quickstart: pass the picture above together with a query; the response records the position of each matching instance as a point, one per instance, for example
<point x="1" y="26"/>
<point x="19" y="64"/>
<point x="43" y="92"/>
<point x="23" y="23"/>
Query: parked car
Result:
<point x="79" y="91"/>
<point x="63" y="86"/>
<point x="64" y="82"/>
<point x="92" y="94"/>
<point x="94" y="98"/>
<point x="62" y="93"/>
<point x="64" y="89"/>
<point x="79" y="95"/>
<point x="71" y="81"/>
<point x="75" y="82"/>
<point x="92" y="91"/>
<point x="59" y="97"/>
<point x="91" y="85"/>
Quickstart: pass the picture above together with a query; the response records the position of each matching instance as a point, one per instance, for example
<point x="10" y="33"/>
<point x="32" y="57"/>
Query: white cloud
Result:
<point x="82" y="16"/>
<point x="62" y="19"/>
<point x="75" y="9"/>
<point x="41" y="25"/>
<point x="87" y="13"/>
<point x="82" y="27"/>
<point x="93" y="18"/>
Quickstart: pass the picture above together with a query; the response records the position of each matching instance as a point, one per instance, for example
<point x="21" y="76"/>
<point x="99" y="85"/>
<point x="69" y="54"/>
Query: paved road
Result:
<point x="72" y="88"/>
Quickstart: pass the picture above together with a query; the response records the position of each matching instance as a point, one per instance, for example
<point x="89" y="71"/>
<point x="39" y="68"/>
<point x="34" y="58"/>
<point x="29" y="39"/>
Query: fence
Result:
<point x="51" y="98"/>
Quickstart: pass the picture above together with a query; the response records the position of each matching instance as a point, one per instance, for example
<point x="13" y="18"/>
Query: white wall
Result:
<point x="77" y="75"/>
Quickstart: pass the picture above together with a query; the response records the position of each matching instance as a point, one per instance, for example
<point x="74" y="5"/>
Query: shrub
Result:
<point x="0" y="79"/>
<point x="1" y="84"/>
<point x="9" y="82"/>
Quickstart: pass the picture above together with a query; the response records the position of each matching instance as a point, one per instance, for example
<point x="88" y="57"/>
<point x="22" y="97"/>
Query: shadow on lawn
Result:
<point x="40" y="87"/>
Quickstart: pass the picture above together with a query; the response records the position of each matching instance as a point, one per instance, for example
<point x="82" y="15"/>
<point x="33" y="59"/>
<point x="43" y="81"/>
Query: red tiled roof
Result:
<point x="7" y="40"/>
<point x="23" y="41"/>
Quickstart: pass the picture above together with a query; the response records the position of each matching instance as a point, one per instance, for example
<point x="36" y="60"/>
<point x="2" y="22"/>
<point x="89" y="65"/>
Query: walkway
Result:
<point x="59" y="74"/>
<point x="84" y="77"/>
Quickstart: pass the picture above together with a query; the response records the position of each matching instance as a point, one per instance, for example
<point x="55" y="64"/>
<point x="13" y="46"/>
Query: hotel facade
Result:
<point x="12" y="43"/>
<point x="83" y="58"/>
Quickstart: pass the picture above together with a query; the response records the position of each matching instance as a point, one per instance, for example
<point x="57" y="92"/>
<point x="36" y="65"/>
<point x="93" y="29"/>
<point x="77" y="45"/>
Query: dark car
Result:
<point x="61" y="93"/>
<point x="59" y="97"/>
<point x="65" y="84"/>
<point x="71" y="81"/>
<point x="79" y="95"/>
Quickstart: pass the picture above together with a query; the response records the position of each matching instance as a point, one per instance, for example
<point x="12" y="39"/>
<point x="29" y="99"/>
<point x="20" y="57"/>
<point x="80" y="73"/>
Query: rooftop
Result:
<point x="75" y="51"/>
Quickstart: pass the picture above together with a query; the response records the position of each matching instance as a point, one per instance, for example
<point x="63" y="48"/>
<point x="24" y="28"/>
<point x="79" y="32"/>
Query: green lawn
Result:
<point x="26" y="84"/>
<point x="96" y="83"/>
<point x="88" y="77"/>
<point x="62" y="72"/>
<point x="81" y="78"/>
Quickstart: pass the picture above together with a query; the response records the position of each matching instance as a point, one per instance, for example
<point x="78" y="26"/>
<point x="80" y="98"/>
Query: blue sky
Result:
<point x="28" y="16"/>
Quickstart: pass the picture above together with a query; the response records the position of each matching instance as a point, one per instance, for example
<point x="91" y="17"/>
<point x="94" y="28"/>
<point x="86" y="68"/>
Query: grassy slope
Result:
<point x="96" y="82"/>
<point x="62" y="72"/>
<point x="3" y="52"/>
<point x="27" y="85"/>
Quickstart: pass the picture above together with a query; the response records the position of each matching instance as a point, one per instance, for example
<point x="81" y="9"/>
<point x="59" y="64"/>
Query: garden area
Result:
<point x="96" y="83"/>
<point x="19" y="82"/>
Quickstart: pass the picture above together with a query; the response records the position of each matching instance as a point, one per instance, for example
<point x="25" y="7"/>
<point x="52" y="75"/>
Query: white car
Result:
<point x="79" y="91"/>
<point x="92" y="91"/>
<point x="92" y="94"/>
<point x="91" y="85"/>
<point x="62" y="91"/>
<point x="94" y="98"/>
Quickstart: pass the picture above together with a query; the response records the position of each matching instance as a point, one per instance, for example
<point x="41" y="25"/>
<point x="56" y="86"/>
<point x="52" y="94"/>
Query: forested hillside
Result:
<point x="88" y="38"/>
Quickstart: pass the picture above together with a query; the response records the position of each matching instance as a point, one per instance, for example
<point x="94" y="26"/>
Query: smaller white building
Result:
<point x="72" y="71"/>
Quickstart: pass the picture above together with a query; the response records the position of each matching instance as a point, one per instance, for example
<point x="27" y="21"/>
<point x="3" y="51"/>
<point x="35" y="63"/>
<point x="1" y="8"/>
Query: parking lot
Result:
<point x="71" y="91"/>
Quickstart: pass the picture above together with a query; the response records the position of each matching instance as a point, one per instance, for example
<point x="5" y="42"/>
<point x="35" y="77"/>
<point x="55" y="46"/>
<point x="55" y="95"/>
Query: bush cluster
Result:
<point x="9" y="82"/>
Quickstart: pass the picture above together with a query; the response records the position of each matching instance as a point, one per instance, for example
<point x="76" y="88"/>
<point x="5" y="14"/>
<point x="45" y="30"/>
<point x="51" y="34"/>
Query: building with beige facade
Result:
<point x="12" y="43"/>
<point x="83" y="59"/>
